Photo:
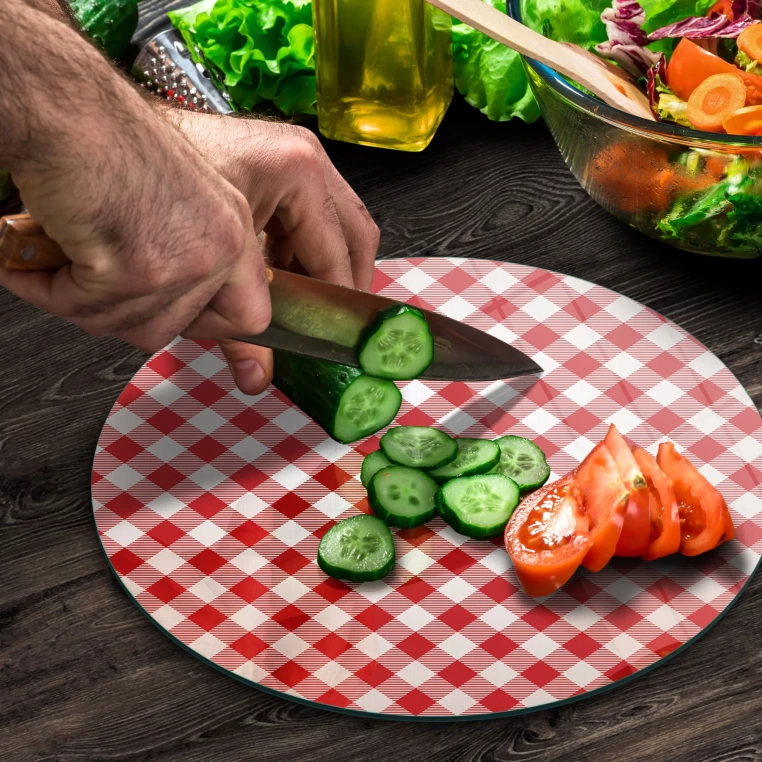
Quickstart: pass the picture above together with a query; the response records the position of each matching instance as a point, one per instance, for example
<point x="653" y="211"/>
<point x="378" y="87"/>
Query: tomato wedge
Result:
<point x="605" y="499"/>
<point x="633" y="541"/>
<point x="665" y="518"/>
<point x="704" y="517"/>
<point x="547" y="537"/>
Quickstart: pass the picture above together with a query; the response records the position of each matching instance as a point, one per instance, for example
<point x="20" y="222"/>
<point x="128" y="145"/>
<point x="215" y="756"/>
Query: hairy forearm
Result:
<point x="58" y="9"/>
<point x="60" y="97"/>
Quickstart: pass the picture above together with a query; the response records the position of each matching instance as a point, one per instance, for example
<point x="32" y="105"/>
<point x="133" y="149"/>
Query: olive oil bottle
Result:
<point x="384" y="71"/>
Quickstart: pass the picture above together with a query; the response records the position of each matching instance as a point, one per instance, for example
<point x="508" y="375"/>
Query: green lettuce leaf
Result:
<point x="491" y="76"/>
<point x="261" y="50"/>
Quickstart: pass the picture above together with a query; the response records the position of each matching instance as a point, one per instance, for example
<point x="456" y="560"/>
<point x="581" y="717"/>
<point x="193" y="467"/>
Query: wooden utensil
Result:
<point x="610" y="83"/>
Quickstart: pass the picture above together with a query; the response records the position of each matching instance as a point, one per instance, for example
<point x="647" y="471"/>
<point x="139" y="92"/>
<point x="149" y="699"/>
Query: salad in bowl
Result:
<point x="693" y="177"/>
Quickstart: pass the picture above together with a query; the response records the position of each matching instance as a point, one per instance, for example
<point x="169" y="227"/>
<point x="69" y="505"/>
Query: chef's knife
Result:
<point x="314" y="318"/>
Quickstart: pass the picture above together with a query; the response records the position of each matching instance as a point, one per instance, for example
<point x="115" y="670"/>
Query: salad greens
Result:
<point x="491" y="76"/>
<point x="262" y="50"/>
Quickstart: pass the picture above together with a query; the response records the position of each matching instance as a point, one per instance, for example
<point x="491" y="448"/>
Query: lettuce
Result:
<point x="491" y="76"/>
<point x="261" y="50"/>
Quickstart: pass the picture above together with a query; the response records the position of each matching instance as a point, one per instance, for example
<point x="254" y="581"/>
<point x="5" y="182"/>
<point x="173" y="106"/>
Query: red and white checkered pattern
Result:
<point x="210" y="505"/>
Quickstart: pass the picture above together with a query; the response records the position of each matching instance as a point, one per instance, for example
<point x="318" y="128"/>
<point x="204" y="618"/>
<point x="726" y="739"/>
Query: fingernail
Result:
<point x="249" y="376"/>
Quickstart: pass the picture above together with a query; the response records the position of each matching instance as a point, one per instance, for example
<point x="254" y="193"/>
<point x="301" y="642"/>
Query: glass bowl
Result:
<point x="697" y="191"/>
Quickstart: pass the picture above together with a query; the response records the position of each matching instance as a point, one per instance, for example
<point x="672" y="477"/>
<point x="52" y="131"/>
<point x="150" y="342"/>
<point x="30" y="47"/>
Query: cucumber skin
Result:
<point x="109" y="23"/>
<point x="381" y="318"/>
<point x="451" y="518"/>
<point x="396" y="521"/>
<point x="314" y="386"/>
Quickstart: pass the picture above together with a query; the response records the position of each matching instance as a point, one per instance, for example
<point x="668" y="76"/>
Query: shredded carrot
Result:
<point x="714" y="100"/>
<point x="745" y="121"/>
<point x="750" y="41"/>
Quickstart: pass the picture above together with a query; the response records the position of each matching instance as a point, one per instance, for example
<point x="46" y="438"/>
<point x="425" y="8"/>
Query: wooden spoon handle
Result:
<point x="25" y="246"/>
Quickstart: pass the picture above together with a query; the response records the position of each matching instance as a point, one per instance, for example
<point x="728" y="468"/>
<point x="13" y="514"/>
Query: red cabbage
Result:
<point x="745" y="7"/>
<point x="627" y="40"/>
<point x="701" y="27"/>
<point x="656" y="76"/>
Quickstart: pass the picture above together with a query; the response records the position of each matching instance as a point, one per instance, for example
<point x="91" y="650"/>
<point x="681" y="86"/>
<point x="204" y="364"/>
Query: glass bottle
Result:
<point x="384" y="71"/>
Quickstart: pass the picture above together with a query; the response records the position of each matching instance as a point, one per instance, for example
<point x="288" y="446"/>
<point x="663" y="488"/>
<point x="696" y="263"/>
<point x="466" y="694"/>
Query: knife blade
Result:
<point x="314" y="318"/>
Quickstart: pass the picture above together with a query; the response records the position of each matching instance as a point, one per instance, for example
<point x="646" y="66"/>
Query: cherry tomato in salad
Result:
<point x="548" y="536"/>
<point x="636" y="530"/>
<point x="605" y="499"/>
<point x="704" y="518"/>
<point x="664" y="537"/>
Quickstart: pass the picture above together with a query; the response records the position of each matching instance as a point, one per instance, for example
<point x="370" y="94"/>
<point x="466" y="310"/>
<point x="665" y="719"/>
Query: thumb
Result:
<point x="251" y="366"/>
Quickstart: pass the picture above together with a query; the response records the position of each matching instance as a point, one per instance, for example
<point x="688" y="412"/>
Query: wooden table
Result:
<point x="84" y="677"/>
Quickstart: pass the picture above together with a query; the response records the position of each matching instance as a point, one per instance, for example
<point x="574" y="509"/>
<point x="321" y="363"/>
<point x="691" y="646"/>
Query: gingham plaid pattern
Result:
<point x="210" y="506"/>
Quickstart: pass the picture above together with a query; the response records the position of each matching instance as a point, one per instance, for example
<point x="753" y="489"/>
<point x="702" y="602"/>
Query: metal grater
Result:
<point x="165" y="67"/>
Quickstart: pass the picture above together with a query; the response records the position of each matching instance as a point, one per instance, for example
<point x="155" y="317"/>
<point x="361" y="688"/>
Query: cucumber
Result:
<point x="418" y="447"/>
<point x="371" y="465"/>
<point x="398" y="345"/>
<point x="360" y="549"/>
<point x="475" y="456"/>
<point x="478" y="506"/>
<point x="110" y="24"/>
<point x="523" y="461"/>
<point x="402" y="497"/>
<point x="346" y="403"/>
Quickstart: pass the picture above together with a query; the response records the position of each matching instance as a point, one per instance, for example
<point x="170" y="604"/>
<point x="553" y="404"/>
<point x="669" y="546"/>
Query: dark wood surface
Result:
<point x="84" y="677"/>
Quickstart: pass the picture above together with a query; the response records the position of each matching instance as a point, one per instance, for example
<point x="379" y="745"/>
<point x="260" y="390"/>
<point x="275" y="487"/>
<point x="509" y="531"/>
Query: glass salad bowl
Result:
<point x="697" y="191"/>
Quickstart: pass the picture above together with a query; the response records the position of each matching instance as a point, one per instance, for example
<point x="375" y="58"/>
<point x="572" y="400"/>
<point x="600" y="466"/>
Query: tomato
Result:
<point x="665" y="519"/>
<point x="690" y="65"/>
<point x="605" y="498"/>
<point x="725" y="7"/>
<point x="633" y="542"/>
<point x="548" y="536"/>
<point x="704" y="518"/>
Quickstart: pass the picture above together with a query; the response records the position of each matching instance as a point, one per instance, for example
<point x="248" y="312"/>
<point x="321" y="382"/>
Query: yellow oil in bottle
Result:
<point x="384" y="71"/>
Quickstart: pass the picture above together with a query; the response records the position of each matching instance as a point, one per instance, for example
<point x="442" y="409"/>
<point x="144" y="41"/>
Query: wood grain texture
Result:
<point x="84" y="677"/>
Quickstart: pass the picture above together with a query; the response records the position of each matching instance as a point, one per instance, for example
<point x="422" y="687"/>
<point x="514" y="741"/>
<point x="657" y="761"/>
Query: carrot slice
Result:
<point x="750" y="41"/>
<point x="715" y="99"/>
<point x="745" y="121"/>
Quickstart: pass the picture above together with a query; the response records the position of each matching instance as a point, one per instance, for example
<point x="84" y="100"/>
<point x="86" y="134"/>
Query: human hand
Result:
<point x="313" y="222"/>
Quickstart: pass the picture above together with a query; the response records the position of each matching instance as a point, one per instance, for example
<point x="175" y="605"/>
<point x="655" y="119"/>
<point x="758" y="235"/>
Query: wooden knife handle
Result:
<point x="25" y="246"/>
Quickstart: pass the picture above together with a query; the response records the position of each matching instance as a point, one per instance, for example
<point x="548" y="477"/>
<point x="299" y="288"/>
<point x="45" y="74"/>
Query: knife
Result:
<point x="312" y="317"/>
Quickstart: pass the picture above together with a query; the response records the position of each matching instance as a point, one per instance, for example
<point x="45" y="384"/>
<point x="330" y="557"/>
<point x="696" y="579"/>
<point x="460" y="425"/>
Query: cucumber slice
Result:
<point x="478" y="506"/>
<point x="402" y="497"/>
<point x="418" y="447"/>
<point x="475" y="456"/>
<point x="398" y="345"/>
<point x="371" y="465"/>
<point x="347" y="404"/>
<point x="523" y="461"/>
<point x="360" y="549"/>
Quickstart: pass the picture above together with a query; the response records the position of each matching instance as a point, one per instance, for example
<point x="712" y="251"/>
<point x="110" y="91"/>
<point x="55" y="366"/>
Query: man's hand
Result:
<point x="162" y="235"/>
<point x="313" y="221"/>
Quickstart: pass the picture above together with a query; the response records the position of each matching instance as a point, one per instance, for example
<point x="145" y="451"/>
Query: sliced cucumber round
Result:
<point x="371" y="465"/>
<point x="360" y="549"/>
<point x="478" y="506"/>
<point x="418" y="447"/>
<point x="523" y="461"/>
<point x="366" y="406"/>
<point x="475" y="456"/>
<point x="398" y="345"/>
<point x="402" y="497"/>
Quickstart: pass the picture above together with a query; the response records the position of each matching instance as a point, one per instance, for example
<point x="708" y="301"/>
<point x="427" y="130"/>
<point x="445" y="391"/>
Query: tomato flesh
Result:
<point x="664" y="537"/>
<point x="633" y="541"/>
<point x="548" y="536"/>
<point x="704" y="517"/>
<point x="605" y="499"/>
